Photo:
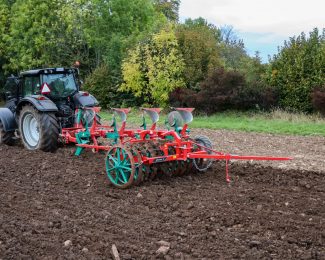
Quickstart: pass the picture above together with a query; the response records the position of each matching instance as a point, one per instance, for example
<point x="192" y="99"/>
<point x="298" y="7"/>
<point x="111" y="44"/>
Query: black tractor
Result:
<point x="39" y="103"/>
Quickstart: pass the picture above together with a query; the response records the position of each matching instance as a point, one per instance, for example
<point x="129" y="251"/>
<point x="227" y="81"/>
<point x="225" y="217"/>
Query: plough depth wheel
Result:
<point x="201" y="165"/>
<point x="120" y="166"/>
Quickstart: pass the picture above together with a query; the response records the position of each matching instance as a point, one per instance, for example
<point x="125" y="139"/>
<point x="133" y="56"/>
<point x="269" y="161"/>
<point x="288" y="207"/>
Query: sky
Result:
<point x="263" y="25"/>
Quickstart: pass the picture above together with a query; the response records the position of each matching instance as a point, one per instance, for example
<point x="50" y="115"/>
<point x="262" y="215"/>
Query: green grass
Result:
<point x="277" y="122"/>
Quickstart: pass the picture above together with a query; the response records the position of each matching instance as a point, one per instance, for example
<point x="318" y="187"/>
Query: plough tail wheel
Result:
<point x="202" y="165"/>
<point x="120" y="166"/>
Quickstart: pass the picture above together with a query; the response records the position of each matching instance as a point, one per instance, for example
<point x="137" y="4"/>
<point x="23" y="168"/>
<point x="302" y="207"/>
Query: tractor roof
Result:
<point x="47" y="71"/>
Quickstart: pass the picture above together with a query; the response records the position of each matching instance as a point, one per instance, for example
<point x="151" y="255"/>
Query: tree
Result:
<point x="169" y="8"/>
<point x="198" y="42"/>
<point x="38" y="35"/>
<point x="111" y="27"/>
<point x="232" y="49"/>
<point x="154" y="68"/>
<point x="298" y="67"/>
<point x="4" y="24"/>
<point x="103" y="84"/>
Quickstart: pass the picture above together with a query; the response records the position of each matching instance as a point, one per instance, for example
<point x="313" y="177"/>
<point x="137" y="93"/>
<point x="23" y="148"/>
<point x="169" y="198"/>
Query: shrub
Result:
<point x="256" y="95"/>
<point x="103" y="84"/>
<point x="318" y="99"/>
<point x="223" y="90"/>
<point x="182" y="97"/>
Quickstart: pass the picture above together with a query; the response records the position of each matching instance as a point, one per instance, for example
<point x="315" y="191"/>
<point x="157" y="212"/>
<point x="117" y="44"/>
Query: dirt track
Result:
<point x="47" y="199"/>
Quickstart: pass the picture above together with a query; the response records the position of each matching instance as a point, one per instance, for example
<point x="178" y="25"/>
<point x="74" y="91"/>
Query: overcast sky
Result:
<point x="262" y="24"/>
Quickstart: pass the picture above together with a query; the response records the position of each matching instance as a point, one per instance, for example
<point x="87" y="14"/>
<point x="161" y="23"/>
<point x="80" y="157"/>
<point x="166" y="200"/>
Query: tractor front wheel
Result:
<point x="39" y="130"/>
<point x="6" y="137"/>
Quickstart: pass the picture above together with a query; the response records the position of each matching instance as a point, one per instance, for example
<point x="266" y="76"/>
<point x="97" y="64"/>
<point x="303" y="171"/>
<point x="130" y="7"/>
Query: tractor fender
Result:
<point x="7" y="119"/>
<point x="41" y="103"/>
<point x="84" y="99"/>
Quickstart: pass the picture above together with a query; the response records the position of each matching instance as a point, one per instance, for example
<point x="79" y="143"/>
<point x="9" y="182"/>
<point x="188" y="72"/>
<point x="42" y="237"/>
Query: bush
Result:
<point x="182" y="97"/>
<point x="103" y="84"/>
<point x="256" y="95"/>
<point x="219" y="91"/>
<point x="297" y="69"/>
<point x="224" y="90"/>
<point x="318" y="99"/>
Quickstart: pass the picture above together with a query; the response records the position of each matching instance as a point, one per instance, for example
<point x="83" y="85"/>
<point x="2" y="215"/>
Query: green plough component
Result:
<point x="114" y="135"/>
<point x="82" y="138"/>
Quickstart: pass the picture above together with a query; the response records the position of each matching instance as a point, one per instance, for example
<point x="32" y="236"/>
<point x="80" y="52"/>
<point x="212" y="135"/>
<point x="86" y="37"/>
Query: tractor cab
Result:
<point x="55" y="83"/>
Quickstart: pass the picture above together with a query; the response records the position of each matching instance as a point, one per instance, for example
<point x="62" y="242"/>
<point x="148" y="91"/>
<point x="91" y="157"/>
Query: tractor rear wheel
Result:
<point x="6" y="137"/>
<point x="39" y="130"/>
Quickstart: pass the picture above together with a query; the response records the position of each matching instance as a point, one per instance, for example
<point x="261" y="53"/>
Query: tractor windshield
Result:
<point x="61" y="85"/>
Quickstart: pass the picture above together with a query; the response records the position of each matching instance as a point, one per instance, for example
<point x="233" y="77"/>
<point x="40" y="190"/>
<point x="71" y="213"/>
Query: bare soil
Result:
<point x="308" y="152"/>
<point x="266" y="212"/>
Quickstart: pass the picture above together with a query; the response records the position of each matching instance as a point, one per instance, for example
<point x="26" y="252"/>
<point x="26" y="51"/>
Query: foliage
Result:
<point x="113" y="26"/>
<point x="4" y="23"/>
<point x="232" y="49"/>
<point x="103" y="84"/>
<point x="154" y="68"/>
<point x="223" y="90"/>
<point x="297" y="69"/>
<point x="139" y="46"/>
<point x="198" y="42"/>
<point x="43" y="34"/>
<point x="318" y="99"/>
<point x="219" y="91"/>
<point x="169" y="8"/>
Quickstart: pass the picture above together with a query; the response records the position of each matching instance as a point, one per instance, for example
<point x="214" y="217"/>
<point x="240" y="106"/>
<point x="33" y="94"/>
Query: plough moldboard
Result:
<point x="136" y="155"/>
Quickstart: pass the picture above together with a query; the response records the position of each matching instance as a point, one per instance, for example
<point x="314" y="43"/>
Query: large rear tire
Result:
<point x="6" y="137"/>
<point x="39" y="130"/>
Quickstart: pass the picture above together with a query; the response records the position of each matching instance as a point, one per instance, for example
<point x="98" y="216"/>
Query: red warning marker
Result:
<point x="45" y="89"/>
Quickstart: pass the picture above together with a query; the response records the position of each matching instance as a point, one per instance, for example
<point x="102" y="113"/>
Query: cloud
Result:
<point x="277" y="18"/>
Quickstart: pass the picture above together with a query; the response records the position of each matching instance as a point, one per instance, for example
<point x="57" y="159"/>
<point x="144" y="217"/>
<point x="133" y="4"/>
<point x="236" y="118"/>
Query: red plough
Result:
<point x="136" y="155"/>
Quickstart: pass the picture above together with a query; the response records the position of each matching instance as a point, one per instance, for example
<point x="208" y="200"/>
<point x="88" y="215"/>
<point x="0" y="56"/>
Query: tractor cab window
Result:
<point x="32" y="86"/>
<point x="61" y="85"/>
<point x="9" y="90"/>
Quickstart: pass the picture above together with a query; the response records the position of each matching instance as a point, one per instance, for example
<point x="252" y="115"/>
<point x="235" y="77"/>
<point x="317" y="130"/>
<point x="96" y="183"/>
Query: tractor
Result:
<point x="39" y="104"/>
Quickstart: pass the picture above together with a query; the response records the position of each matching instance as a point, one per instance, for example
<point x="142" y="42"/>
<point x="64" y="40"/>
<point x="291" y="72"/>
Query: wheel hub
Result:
<point x="31" y="130"/>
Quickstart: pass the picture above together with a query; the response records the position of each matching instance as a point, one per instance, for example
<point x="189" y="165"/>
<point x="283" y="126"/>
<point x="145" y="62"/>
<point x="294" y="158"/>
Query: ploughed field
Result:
<point x="61" y="206"/>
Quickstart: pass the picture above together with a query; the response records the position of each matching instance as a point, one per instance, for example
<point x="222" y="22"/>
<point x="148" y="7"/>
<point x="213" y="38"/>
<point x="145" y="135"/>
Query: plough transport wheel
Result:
<point x="201" y="165"/>
<point x="120" y="166"/>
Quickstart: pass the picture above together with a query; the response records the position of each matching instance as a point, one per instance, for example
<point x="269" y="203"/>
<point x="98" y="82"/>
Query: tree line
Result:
<point x="136" y="52"/>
